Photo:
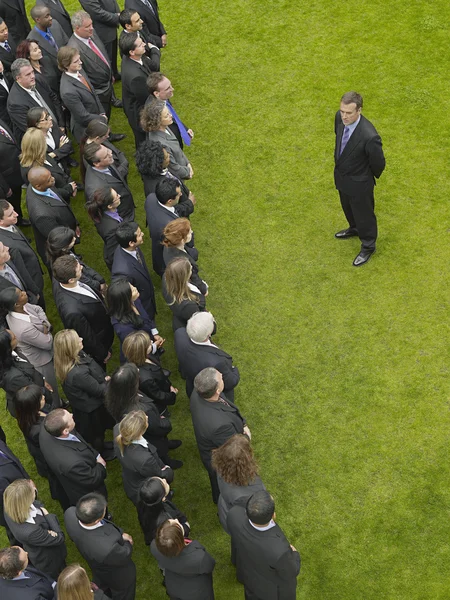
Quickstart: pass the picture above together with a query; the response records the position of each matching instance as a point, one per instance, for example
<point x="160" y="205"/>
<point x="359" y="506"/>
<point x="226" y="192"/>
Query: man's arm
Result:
<point x="230" y="374"/>
<point x="374" y="151"/>
<point x="92" y="343"/>
<point x="77" y="109"/>
<point x="100" y="14"/>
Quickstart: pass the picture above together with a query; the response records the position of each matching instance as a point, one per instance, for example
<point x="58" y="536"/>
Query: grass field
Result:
<point x="344" y="371"/>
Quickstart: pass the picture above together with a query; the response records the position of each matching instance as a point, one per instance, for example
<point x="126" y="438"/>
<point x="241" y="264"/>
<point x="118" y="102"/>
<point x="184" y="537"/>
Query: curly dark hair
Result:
<point x="151" y="115"/>
<point x="234" y="461"/>
<point x="149" y="159"/>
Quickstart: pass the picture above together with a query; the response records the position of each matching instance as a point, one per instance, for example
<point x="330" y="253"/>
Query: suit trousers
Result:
<point x="360" y="213"/>
<point x="48" y="371"/>
<point x="105" y="99"/>
<point x="139" y="137"/>
<point x="111" y="49"/>
<point x="213" y="480"/>
<point x="15" y="200"/>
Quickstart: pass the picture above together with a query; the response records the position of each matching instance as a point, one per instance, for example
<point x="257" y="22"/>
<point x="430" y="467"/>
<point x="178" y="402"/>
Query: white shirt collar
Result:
<point x="132" y="252"/>
<point x="169" y="208"/>
<point x="99" y="524"/>
<point x="207" y="343"/>
<point x="21" y="316"/>
<point x="9" y="228"/>
<point x="193" y="288"/>
<point x="267" y="527"/>
<point x="78" y="289"/>
<point x="33" y="512"/>
<point x="141" y="441"/>
<point x="74" y="75"/>
<point x="84" y="40"/>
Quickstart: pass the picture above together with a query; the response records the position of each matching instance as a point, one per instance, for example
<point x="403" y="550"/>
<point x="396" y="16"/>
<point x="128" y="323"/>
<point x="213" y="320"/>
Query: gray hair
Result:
<point x="17" y="65"/>
<point x="200" y="326"/>
<point x="206" y="382"/>
<point x="78" y="18"/>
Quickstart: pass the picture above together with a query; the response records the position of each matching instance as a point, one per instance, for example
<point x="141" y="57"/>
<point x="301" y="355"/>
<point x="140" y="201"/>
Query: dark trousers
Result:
<point x="360" y="213"/>
<point x="105" y="99"/>
<point x="15" y="201"/>
<point x="111" y="49"/>
<point x="213" y="480"/>
<point x="139" y="137"/>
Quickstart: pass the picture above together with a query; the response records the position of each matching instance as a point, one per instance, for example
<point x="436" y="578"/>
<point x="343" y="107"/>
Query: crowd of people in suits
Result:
<point x="54" y="77"/>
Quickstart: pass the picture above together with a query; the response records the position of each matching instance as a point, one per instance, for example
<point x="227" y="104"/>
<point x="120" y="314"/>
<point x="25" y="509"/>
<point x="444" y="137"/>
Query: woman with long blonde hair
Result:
<point x="74" y="584"/>
<point x="182" y="297"/>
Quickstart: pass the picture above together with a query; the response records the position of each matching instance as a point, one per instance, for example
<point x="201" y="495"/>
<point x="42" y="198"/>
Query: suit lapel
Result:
<point x="42" y="41"/>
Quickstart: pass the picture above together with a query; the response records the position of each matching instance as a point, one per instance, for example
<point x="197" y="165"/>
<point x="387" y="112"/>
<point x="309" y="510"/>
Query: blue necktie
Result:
<point x="51" y="40"/>
<point x="184" y="134"/>
<point x="345" y="139"/>
<point x="7" y="46"/>
<point x="51" y="193"/>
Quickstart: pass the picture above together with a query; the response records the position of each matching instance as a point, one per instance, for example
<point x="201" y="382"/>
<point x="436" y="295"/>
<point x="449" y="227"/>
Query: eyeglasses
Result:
<point x="47" y="118"/>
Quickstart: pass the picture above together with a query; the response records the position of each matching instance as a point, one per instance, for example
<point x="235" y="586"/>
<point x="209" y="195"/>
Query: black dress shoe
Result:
<point x="362" y="258"/>
<point x="117" y="76"/>
<point x="24" y="223"/>
<point x="80" y="186"/>
<point x="117" y="137"/>
<point x="108" y="454"/>
<point x="173" y="463"/>
<point x="174" y="444"/>
<point x="117" y="103"/>
<point x="346" y="233"/>
<point x="73" y="162"/>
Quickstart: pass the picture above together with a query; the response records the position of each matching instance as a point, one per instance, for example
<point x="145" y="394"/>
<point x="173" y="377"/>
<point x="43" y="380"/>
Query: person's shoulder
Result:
<point x="368" y="127"/>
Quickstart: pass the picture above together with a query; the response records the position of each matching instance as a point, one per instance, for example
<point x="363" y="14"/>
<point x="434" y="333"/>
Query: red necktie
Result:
<point x="95" y="49"/>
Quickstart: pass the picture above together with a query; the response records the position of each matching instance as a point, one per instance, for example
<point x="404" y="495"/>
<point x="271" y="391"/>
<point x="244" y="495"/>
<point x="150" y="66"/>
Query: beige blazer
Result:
<point x="36" y="345"/>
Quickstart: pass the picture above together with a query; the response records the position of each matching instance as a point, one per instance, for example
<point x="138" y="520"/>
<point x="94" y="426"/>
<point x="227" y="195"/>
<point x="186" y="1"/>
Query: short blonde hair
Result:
<point x="131" y="428"/>
<point x="34" y="148"/>
<point x="66" y="350"/>
<point x="17" y="499"/>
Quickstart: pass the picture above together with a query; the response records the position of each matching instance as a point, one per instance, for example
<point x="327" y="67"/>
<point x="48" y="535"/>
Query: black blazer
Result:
<point x="59" y="13"/>
<point x="188" y="576"/>
<point x="8" y="58"/>
<point x="49" y="52"/>
<point x="362" y="159"/>
<point x="19" y="246"/>
<point x="20" y="374"/>
<point x="157" y="218"/>
<point x="13" y="12"/>
<point x="45" y="214"/>
<point x="170" y="254"/>
<point x="95" y="179"/>
<point x="60" y="151"/>
<point x="88" y="317"/>
<point x="106" y="228"/>
<point x="125" y="265"/>
<point x="46" y="552"/>
<point x="150" y="522"/>
<point x="10" y="175"/>
<point x="184" y="207"/>
<point x="234" y="495"/>
<point x="10" y="469"/>
<point x="4" y="114"/>
<point x="265" y="562"/>
<point x="62" y="179"/>
<point x="85" y="385"/>
<point x="155" y="29"/>
<point x="17" y="265"/>
<point x="37" y="586"/>
<point x="193" y="358"/>
<point x="84" y="105"/>
<point x="182" y="311"/>
<point x="74" y="464"/>
<point x="100" y="74"/>
<point x="106" y="552"/>
<point x="104" y="15"/>
<point x="156" y="385"/>
<point x="134" y="86"/>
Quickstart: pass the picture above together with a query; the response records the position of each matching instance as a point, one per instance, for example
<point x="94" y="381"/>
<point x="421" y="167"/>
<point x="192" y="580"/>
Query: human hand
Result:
<point x="45" y="329"/>
<point x="190" y="133"/>
<point x="63" y="140"/>
<point x="78" y="231"/>
<point x="192" y="198"/>
<point x="52" y="533"/>
<point x="44" y="510"/>
<point x="108" y="356"/>
<point x="62" y="129"/>
<point x="127" y="538"/>
<point x="247" y="432"/>
<point x="48" y="386"/>
<point x="293" y="548"/>
<point x="101" y="461"/>
<point x="103" y="288"/>
<point x="164" y="40"/>
<point x="107" y="378"/>
<point x="9" y="193"/>
<point x="191" y="171"/>
<point x="173" y="389"/>
<point x="159" y="341"/>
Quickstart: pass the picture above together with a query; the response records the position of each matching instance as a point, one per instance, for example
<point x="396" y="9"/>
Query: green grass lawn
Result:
<point x="344" y="371"/>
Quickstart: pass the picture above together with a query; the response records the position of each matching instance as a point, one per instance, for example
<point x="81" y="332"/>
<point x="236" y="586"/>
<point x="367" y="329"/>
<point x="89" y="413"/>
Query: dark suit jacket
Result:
<point x="214" y="423"/>
<point x="95" y="180"/>
<point x="182" y="311"/>
<point x="10" y="175"/>
<point x="10" y="469"/>
<point x="83" y="104"/>
<point x="6" y="57"/>
<point x="188" y="576"/>
<point x="85" y="385"/>
<point x="20" y="246"/>
<point x="151" y="19"/>
<point x="362" y="159"/>
<point x="20" y="374"/>
<point x="170" y="254"/>
<point x="49" y="52"/>
<point x="157" y="218"/>
<point x="193" y="358"/>
<point x="125" y="265"/>
<point x="45" y="214"/>
<point x="46" y="553"/>
<point x="13" y="12"/>
<point x="265" y="562"/>
<point x="106" y="228"/>
<point x="74" y="464"/>
<point x="59" y="13"/>
<point x="134" y="87"/>
<point x="104" y="15"/>
<point x="29" y="285"/>
<point x="62" y="179"/>
<point x="37" y="586"/>
<point x="234" y="495"/>
<point x="89" y="319"/>
<point x="4" y="114"/>
<point x="184" y="207"/>
<point x="155" y="384"/>
<point x="106" y="552"/>
<point x="100" y="74"/>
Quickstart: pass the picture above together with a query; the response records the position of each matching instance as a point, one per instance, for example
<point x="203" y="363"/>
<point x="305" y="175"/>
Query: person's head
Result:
<point x="131" y="428"/>
<point x="209" y="383"/>
<point x="3" y="31"/>
<point x="59" y="423"/>
<point x="122" y="390"/>
<point x="60" y="242"/>
<point x="155" y="116"/>
<point x="132" y="45"/>
<point x="67" y="345"/>
<point x="234" y="461"/>
<point x="350" y="109"/>
<point x="41" y="178"/>
<point x="18" y="498"/>
<point x="103" y="199"/>
<point x="151" y="159"/>
<point x="82" y="24"/>
<point x="170" y="538"/>
<point x="23" y="73"/>
<point x="28" y="401"/>
<point x="4" y="254"/>
<point x="41" y="15"/>
<point x="177" y="232"/>
<point x="8" y="215"/>
<point x="130" y="20"/>
<point x="260" y="508"/>
<point x="39" y="118"/>
<point x="153" y="491"/>
<point x="30" y="50"/>
<point x="98" y="156"/>
<point x="66" y="269"/>
<point x="97" y="131"/>
<point x="91" y="508"/>
<point x="129" y="235"/>
<point x="200" y="326"/>
<point x="13" y="561"/>
<point x="177" y="274"/>
<point x="12" y="299"/>
<point x="159" y="86"/>
<point x="120" y="296"/>
<point x="34" y="148"/>
<point x="136" y="347"/>
<point x="74" y="584"/>
<point x="69" y="60"/>
<point x="168" y="192"/>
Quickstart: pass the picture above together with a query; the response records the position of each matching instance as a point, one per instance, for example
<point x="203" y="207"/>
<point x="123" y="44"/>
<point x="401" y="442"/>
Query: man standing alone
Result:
<point x="359" y="159"/>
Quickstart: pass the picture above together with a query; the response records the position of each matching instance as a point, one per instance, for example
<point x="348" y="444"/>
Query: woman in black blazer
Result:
<point x="34" y="528"/>
<point x="59" y="147"/>
<point x="138" y="458"/>
<point x="182" y="297"/>
<point x="84" y="383"/>
<point x="186" y="564"/>
<point x="176" y="234"/>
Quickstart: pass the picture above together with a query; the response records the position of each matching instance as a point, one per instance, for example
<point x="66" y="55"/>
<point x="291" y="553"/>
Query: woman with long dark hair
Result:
<point x="182" y="297"/>
<point x="45" y="75"/>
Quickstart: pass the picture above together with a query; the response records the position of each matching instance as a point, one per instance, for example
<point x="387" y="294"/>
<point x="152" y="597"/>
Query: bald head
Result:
<point x="40" y="178"/>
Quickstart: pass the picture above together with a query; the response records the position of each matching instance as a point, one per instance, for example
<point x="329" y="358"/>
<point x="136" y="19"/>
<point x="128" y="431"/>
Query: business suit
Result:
<point x="157" y="218"/>
<point x="45" y="214"/>
<point x="74" y="464"/>
<point x="20" y="246"/>
<point x="96" y="179"/>
<point x="6" y="57"/>
<point x="184" y="207"/>
<point x="4" y="93"/>
<point x="88" y="317"/>
<point x="10" y="469"/>
<point x="46" y="552"/>
<point x="106" y="228"/>
<point x="193" y="358"/>
<point x="10" y="175"/>
<point x="125" y="265"/>
<point x="25" y="279"/>
<point x="62" y="179"/>
<point x="154" y="383"/>
<point x="35" y="586"/>
<point x="20" y="374"/>
<point x="178" y="165"/>
<point x="83" y="103"/>
<point x="182" y="311"/>
<point x="49" y="52"/>
<point x="356" y="168"/>
<point x="154" y="28"/>
<point x="105" y="17"/>
<point x="188" y="576"/>
<point x="235" y="495"/>
<point x="14" y="14"/>
<point x="59" y="13"/>
<point x="265" y="562"/>
<point x="214" y="423"/>
<point x="170" y="254"/>
<point x="122" y="329"/>
<point x="107" y="554"/>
